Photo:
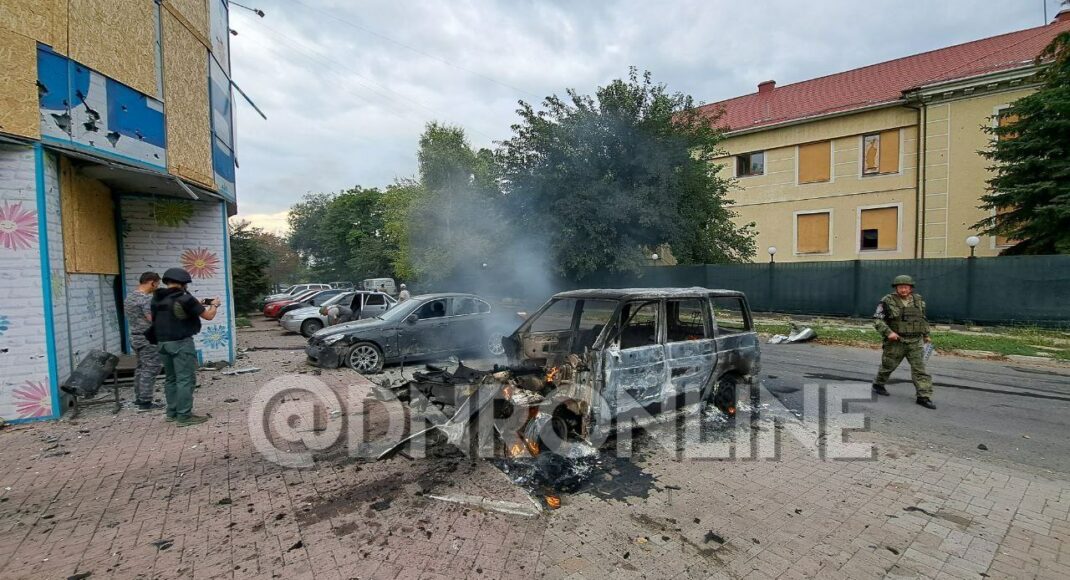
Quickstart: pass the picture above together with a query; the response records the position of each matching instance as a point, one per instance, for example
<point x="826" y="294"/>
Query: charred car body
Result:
<point x="428" y="326"/>
<point x="591" y="361"/>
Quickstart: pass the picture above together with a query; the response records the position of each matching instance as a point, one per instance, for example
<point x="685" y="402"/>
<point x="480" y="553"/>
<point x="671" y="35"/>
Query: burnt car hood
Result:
<point x="354" y="328"/>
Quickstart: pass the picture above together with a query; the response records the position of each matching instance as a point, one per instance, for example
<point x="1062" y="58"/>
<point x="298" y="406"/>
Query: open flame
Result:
<point x="551" y="374"/>
<point x="516" y="449"/>
<point x="553" y="501"/>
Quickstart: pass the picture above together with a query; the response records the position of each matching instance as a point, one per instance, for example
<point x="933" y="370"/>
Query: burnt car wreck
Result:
<point x="589" y="363"/>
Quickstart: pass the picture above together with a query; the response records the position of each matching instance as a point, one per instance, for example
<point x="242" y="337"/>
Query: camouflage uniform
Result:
<point x="137" y="306"/>
<point x="907" y="319"/>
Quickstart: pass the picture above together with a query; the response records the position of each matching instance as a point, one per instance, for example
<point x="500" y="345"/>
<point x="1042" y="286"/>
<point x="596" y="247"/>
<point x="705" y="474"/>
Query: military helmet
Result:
<point x="177" y="275"/>
<point x="902" y="279"/>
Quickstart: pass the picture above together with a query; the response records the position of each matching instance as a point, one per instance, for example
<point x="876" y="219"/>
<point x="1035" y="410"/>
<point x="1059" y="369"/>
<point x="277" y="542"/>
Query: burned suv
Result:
<point x="589" y="361"/>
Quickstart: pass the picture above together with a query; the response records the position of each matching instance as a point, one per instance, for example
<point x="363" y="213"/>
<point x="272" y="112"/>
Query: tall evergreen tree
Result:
<point x="1030" y="191"/>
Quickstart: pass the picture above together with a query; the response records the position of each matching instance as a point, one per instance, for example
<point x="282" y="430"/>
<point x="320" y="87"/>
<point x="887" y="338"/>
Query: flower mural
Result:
<point x="200" y="263"/>
<point x="4" y="324"/>
<point x="215" y="336"/>
<point x="18" y="226"/>
<point x="172" y="212"/>
<point x="32" y="399"/>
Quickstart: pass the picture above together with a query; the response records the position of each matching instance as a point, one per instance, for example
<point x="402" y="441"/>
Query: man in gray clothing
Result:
<point x="139" y="318"/>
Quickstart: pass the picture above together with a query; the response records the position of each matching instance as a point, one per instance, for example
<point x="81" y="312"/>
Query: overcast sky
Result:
<point x="348" y="86"/>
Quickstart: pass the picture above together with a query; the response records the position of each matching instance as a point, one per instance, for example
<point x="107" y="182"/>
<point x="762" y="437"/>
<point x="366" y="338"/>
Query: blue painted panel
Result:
<point x="83" y="108"/>
<point x="221" y="97"/>
<point x="223" y="165"/>
<point x="131" y="115"/>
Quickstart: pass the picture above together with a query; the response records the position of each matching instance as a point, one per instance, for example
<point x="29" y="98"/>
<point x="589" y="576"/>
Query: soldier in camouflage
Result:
<point x="139" y="318"/>
<point x="900" y="318"/>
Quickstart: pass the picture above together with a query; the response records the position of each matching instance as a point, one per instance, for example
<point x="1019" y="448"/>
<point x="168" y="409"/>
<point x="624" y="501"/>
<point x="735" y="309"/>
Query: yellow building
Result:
<point x="828" y="169"/>
<point x="116" y="158"/>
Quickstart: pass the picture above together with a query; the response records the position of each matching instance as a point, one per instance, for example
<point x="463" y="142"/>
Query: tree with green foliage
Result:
<point x="605" y="177"/>
<point x="249" y="262"/>
<point x="450" y="219"/>
<point x="342" y="236"/>
<point x="1031" y="186"/>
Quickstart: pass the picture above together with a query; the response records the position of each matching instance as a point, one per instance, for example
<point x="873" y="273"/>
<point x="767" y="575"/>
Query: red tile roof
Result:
<point x="885" y="82"/>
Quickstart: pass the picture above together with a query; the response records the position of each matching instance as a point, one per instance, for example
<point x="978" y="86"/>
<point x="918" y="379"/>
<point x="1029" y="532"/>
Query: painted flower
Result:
<point x="172" y="212"/>
<point x="18" y="226"/>
<point x="4" y="324"/>
<point x="215" y="336"/>
<point x="33" y="400"/>
<point x="200" y="263"/>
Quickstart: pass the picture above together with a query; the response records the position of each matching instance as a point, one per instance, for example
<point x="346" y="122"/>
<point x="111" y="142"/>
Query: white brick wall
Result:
<point x="158" y="232"/>
<point x="93" y="315"/>
<point x="57" y="267"/>
<point x="25" y="388"/>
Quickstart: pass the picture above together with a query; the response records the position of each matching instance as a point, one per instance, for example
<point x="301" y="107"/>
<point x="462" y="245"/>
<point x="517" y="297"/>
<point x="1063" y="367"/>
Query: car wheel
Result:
<point x="365" y="358"/>
<point x="724" y="397"/>
<point x="310" y="327"/>
<point x="494" y="344"/>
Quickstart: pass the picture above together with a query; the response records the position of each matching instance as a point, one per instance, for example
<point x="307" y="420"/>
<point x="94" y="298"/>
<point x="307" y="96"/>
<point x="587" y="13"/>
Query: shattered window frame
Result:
<point x="739" y="307"/>
<point x="703" y="308"/>
<point x="622" y="329"/>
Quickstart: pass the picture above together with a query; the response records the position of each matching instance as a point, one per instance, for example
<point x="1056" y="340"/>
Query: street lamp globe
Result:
<point x="772" y="252"/>
<point x="972" y="241"/>
<point x="654" y="256"/>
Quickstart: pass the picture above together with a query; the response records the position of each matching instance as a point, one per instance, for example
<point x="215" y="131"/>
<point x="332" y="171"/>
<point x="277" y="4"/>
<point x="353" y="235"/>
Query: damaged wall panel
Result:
<point x="42" y="20"/>
<point x="89" y="242"/>
<point x="128" y="52"/>
<point x="18" y="89"/>
<point x="189" y="133"/>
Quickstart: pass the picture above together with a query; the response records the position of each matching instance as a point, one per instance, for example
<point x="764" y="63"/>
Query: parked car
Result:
<point x="386" y="285"/>
<point x="428" y="326"/>
<point x="342" y="285"/>
<point x="293" y="291"/>
<point x="591" y="361"/>
<point x="316" y="300"/>
<point x="310" y="319"/>
<point x="271" y="309"/>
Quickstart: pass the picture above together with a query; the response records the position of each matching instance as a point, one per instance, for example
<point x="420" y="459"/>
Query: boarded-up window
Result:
<point x="815" y="160"/>
<point x="89" y="241"/>
<point x="1005" y="120"/>
<point x="879" y="229"/>
<point x="880" y="152"/>
<point x="812" y="233"/>
<point x="1003" y="240"/>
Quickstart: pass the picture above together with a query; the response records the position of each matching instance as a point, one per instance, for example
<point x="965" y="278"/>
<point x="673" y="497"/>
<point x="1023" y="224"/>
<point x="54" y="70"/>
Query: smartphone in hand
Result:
<point x="208" y="301"/>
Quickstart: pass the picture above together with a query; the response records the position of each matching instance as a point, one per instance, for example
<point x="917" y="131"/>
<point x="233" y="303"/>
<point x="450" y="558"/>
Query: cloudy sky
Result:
<point x="348" y="86"/>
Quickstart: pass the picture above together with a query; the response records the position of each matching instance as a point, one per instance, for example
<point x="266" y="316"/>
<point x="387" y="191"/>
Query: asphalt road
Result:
<point x="1020" y="412"/>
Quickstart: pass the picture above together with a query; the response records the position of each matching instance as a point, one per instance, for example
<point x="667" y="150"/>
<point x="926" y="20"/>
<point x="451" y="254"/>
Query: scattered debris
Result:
<point x="215" y="365"/>
<point x="982" y="447"/>
<point x="241" y="371"/>
<point x="713" y="537"/>
<point x="224" y="501"/>
<point x="918" y="509"/>
<point x="795" y="334"/>
<point x="163" y="544"/>
<point x="381" y="505"/>
<point x="491" y="505"/>
<point x="300" y="544"/>
<point x="230" y="400"/>
<point x="79" y="576"/>
<point x="892" y="550"/>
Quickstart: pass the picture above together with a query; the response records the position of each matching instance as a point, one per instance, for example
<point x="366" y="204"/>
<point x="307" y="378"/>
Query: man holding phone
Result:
<point x="176" y="319"/>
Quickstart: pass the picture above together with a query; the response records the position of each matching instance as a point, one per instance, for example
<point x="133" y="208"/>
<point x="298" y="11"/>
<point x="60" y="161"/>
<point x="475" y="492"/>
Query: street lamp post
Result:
<point x="772" y="252"/>
<point x="972" y="242"/>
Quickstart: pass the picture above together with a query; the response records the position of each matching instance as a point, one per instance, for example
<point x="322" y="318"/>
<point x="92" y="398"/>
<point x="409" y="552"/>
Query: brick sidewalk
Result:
<point x="132" y="496"/>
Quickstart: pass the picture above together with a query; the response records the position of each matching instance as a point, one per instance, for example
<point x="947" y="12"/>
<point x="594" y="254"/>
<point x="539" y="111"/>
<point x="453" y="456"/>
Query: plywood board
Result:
<point x="886" y="221"/>
<point x="89" y="242"/>
<point x="194" y="15"/>
<point x="814" y="162"/>
<point x="42" y="20"/>
<point x="189" y="131"/>
<point x="812" y="230"/>
<point x="889" y="157"/>
<point x="18" y="85"/>
<point x="116" y="38"/>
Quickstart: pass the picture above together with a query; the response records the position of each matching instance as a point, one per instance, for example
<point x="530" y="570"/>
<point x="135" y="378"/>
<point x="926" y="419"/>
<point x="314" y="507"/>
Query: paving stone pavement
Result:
<point x="129" y="495"/>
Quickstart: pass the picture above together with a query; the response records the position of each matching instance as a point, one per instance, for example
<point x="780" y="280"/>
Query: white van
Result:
<point x="380" y="285"/>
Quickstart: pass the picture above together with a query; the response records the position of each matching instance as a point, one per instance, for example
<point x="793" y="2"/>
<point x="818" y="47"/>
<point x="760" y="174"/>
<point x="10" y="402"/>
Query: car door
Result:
<point x="736" y="339"/>
<point x="467" y="323"/>
<point x="374" y="305"/>
<point x="427" y="335"/>
<point x="690" y="348"/>
<point x="636" y="370"/>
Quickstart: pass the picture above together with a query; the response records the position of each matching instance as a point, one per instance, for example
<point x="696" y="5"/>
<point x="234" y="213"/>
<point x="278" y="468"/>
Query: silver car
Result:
<point x="309" y="320"/>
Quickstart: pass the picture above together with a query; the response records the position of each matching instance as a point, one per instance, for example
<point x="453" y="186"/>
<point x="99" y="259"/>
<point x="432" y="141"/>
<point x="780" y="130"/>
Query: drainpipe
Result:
<point x="919" y="188"/>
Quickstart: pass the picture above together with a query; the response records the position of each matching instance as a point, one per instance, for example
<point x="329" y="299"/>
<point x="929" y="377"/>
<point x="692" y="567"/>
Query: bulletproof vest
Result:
<point x="910" y="321"/>
<point x="171" y="321"/>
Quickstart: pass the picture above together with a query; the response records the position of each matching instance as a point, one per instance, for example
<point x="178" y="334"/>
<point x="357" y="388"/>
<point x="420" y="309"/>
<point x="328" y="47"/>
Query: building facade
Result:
<point x="116" y="158"/>
<point x="879" y="162"/>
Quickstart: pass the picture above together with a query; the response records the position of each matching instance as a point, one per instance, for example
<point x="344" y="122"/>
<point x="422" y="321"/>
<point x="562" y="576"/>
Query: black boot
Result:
<point x="926" y="402"/>
<point x="880" y="390"/>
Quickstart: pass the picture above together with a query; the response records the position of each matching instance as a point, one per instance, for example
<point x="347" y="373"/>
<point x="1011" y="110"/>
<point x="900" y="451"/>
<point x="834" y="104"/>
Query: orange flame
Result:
<point x="551" y="375"/>
<point x="516" y="450"/>
<point x="553" y="501"/>
<point x="533" y="446"/>
<point x="731" y="411"/>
